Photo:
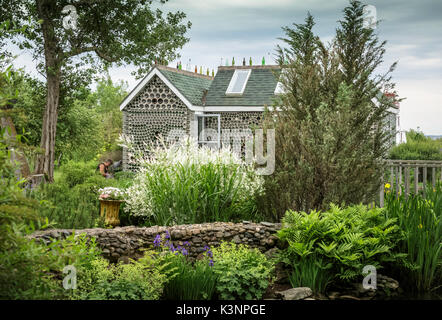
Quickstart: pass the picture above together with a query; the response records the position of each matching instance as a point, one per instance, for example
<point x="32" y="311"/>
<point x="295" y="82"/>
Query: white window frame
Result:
<point x="233" y="81"/>
<point x="217" y="115"/>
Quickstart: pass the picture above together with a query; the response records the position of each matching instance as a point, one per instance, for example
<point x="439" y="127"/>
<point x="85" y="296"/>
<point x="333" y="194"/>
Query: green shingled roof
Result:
<point x="259" y="90"/>
<point x="190" y="86"/>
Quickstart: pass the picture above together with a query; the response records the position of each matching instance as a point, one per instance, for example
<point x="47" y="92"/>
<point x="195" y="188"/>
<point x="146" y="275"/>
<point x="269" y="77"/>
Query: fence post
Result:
<point x="407" y="181"/>
<point x="425" y="181"/>
<point x="433" y="177"/>
<point x="400" y="179"/>
<point x="381" y="193"/>
<point x="416" y="180"/>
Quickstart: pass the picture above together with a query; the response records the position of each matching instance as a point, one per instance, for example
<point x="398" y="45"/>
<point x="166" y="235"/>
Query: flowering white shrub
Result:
<point x="189" y="184"/>
<point x="111" y="193"/>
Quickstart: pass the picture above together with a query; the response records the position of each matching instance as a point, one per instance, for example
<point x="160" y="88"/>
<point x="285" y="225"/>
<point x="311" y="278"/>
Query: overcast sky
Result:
<point x="249" y="28"/>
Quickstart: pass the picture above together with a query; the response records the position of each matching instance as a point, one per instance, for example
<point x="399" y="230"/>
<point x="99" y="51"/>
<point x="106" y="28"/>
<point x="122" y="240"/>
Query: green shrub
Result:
<point x="188" y="281"/>
<point x="340" y="241"/>
<point x="193" y="185"/>
<point x="73" y="172"/>
<point x="32" y="270"/>
<point x="417" y="147"/>
<point x="76" y="205"/>
<point x="420" y="221"/>
<point x="137" y="280"/>
<point x="243" y="273"/>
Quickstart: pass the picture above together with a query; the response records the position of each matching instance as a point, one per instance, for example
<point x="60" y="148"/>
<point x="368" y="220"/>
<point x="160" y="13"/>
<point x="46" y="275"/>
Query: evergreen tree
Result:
<point x="330" y="128"/>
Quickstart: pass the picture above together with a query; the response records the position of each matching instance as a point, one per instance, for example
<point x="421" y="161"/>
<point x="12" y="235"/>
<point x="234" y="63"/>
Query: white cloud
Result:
<point x="422" y="106"/>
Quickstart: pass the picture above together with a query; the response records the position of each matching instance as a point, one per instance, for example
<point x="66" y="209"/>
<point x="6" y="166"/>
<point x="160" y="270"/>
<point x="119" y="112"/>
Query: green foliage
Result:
<point x="72" y="200"/>
<point x="311" y="272"/>
<point x="137" y="280"/>
<point x="89" y="122"/>
<point x="340" y="241"/>
<point x="420" y="221"/>
<point x="243" y="273"/>
<point x="193" y="185"/>
<point x="330" y="132"/>
<point x="31" y="270"/>
<point x="417" y="147"/>
<point x="188" y="281"/>
<point x="74" y="173"/>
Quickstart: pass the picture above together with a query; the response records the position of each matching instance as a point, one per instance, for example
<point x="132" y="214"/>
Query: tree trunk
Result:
<point x="45" y="163"/>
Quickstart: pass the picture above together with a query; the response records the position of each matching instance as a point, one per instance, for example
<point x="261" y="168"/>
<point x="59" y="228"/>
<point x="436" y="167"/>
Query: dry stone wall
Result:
<point x="122" y="243"/>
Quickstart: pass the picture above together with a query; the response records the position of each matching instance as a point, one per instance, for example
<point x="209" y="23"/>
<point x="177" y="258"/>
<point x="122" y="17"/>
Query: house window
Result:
<point x="209" y="130"/>
<point x="238" y="82"/>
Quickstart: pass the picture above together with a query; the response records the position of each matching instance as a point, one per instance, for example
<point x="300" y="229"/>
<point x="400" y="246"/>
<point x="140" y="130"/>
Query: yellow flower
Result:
<point x="387" y="186"/>
<point x="420" y="226"/>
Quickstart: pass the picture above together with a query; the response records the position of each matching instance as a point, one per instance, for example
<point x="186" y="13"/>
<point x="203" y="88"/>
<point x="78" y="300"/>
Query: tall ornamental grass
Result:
<point x="189" y="184"/>
<point x="421" y="225"/>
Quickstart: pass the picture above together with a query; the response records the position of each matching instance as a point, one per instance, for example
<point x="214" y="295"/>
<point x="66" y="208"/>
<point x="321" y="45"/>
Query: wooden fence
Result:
<point x="410" y="176"/>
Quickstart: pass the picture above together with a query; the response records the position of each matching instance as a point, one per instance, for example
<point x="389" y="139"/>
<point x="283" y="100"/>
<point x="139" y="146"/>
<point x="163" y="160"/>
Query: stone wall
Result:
<point x="122" y="243"/>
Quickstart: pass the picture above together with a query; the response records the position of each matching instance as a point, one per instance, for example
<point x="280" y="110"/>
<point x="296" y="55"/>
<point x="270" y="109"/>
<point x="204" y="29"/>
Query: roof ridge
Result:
<point x="184" y="72"/>
<point x="276" y="66"/>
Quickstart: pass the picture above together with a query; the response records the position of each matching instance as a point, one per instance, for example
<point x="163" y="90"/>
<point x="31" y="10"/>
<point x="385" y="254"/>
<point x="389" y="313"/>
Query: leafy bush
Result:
<point x="137" y="280"/>
<point x="74" y="172"/>
<point x="417" y="147"/>
<point x="335" y="245"/>
<point x="420" y="221"/>
<point x="32" y="270"/>
<point x="187" y="184"/>
<point x="75" y="205"/>
<point x="243" y="273"/>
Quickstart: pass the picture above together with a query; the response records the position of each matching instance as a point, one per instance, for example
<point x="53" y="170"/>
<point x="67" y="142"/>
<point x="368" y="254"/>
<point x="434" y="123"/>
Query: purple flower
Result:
<point x="172" y="248"/>
<point x="167" y="243"/>
<point x="157" y="241"/>
<point x="184" y="252"/>
<point x="211" y="263"/>
<point x="186" y="243"/>
<point x="167" y="235"/>
<point x="206" y="248"/>
<point x="210" y="254"/>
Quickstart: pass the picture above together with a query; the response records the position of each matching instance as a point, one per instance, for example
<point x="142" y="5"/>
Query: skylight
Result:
<point x="238" y="82"/>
